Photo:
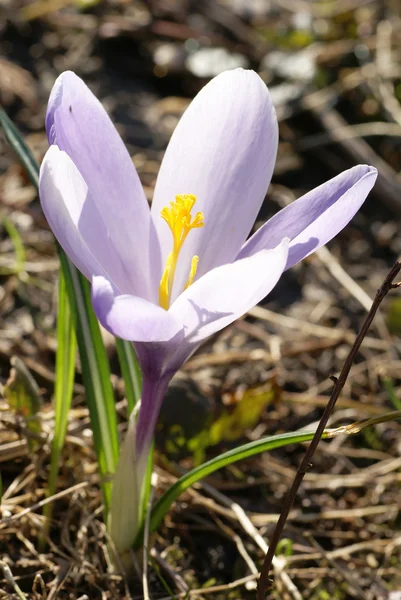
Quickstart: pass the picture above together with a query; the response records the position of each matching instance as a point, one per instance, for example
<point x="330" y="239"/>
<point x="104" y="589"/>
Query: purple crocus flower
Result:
<point x="166" y="278"/>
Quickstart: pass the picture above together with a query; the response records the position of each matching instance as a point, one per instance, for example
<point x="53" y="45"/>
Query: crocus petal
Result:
<point x="124" y="515"/>
<point x="227" y="292"/>
<point x="132" y="318"/>
<point x="153" y="391"/>
<point x="78" y="124"/>
<point x="76" y="222"/>
<point x="223" y="151"/>
<point x="60" y="182"/>
<point x="315" y="218"/>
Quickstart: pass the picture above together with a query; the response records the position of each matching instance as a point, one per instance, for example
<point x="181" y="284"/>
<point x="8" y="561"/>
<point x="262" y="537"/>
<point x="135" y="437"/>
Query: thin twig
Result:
<point x="353" y="288"/>
<point x="212" y="590"/>
<point x="260" y="312"/>
<point x="34" y="507"/>
<point x="339" y="383"/>
<point x="8" y="576"/>
<point x="250" y="529"/>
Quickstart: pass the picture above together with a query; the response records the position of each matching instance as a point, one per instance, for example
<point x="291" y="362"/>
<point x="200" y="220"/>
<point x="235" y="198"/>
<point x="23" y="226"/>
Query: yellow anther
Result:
<point x="192" y="272"/>
<point x="163" y="287"/>
<point x="178" y="217"/>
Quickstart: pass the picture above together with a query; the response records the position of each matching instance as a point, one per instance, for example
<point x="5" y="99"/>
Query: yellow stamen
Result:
<point x="163" y="287"/>
<point x="192" y="272"/>
<point x="178" y="218"/>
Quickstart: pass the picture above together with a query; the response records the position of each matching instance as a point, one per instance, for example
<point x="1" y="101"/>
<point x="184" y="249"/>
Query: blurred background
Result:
<point x="334" y="71"/>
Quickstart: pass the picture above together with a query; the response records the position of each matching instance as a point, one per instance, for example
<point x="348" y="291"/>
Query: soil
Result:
<point x="333" y="70"/>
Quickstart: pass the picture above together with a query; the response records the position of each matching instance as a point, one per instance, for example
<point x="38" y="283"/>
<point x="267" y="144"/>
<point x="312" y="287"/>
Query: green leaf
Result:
<point x="17" y="143"/>
<point x="64" y="384"/>
<point x="233" y="422"/>
<point x="96" y="375"/>
<point x="393" y="317"/>
<point x="95" y="366"/>
<point x="130" y="371"/>
<point x="164" y="503"/>
<point x="392" y="394"/>
<point x="19" y="248"/>
<point x="147" y="485"/>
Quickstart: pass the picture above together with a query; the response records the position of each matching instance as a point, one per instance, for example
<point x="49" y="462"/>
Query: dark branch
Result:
<point x="339" y="383"/>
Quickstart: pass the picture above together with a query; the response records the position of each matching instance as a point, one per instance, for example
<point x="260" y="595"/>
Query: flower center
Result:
<point x="178" y="218"/>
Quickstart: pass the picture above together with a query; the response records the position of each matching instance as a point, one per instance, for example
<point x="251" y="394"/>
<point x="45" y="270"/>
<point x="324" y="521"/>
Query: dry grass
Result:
<point x="343" y="536"/>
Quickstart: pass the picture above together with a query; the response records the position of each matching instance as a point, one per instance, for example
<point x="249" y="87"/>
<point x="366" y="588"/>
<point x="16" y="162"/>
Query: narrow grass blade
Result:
<point x="130" y="371"/>
<point x="17" y="143"/>
<point x="164" y="503"/>
<point x="96" y="375"/>
<point x="390" y="389"/>
<point x="64" y="384"/>
<point x="19" y="249"/>
<point x="95" y="366"/>
<point x="147" y="485"/>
